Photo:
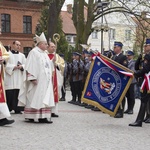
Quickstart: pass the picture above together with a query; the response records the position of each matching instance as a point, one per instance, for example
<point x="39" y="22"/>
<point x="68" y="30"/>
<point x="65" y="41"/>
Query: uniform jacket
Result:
<point x="121" y="59"/>
<point x="145" y="68"/>
<point x="131" y="66"/>
<point x="78" y="70"/>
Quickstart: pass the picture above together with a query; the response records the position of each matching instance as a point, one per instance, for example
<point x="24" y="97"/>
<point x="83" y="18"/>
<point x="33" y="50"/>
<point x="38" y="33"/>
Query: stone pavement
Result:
<point x="77" y="128"/>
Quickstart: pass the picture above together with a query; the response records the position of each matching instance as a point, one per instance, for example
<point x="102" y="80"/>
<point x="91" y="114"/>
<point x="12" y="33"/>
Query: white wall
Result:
<point x="120" y="23"/>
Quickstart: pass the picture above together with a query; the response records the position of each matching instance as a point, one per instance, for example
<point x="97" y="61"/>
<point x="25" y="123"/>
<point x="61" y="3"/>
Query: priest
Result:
<point x="14" y="77"/>
<point x="37" y="95"/>
<point x="59" y="65"/>
<point x="4" y="111"/>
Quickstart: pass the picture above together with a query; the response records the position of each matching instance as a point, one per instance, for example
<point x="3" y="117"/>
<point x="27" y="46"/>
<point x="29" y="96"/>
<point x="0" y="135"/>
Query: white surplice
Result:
<point x="37" y="99"/>
<point x="13" y="78"/>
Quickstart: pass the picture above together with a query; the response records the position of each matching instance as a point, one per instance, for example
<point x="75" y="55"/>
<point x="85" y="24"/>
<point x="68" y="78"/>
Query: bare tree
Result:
<point x="54" y="8"/>
<point x="142" y="31"/>
<point x="83" y="20"/>
<point x="84" y="14"/>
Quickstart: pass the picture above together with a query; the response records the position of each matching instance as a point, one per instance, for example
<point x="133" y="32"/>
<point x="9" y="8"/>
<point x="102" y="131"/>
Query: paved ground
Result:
<point x="77" y="128"/>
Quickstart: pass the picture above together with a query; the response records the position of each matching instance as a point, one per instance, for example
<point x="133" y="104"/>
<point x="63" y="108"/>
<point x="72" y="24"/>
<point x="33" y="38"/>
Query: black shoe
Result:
<point x="130" y="112"/>
<point x="119" y="115"/>
<point x="18" y="112"/>
<point x="44" y="121"/>
<point x="62" y="99"/>
<point x="72" y="102"/>
<point x="77" y="103"/>
<point x="29" y="120"/>
<point x="5" y="121"/>
<point x="95" y="109"/>
<point x="82" y="104"/>
<point x="89" y="106"/>
<point x="141" y="114"/>
<point x="147" y="120"/>
<point x="136" y="124"/>
<point x="54" y="115"/>
<point x="126" y="112"/>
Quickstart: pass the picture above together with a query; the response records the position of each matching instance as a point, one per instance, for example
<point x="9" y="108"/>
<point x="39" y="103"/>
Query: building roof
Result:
<point x="67" y="22"/>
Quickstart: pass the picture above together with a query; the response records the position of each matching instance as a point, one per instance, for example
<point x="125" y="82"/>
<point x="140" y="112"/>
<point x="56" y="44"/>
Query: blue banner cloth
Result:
<point x="106" y="85"/>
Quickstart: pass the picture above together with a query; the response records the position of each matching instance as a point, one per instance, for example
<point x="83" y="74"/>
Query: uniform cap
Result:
<point x="147" y="41"/>
<point x="118" y="44"/>
<point x="130" y="53"/>
<point x="84" y="51"/>
<point x="73" y="53"/>
<point x="76" y="54"/>
<point x="91" y="53"/>
<point x="61" y="55"/>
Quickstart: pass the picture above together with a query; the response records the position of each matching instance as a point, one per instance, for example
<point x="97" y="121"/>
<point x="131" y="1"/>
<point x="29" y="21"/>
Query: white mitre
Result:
<point x="40" y="38"/>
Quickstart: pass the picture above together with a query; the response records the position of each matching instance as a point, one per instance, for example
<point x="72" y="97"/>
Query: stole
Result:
<point x="2" y="97"/>
<point x="54" y="81"/>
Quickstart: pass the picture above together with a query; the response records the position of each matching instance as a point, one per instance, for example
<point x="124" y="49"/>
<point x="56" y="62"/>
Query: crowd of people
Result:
<point x="31" y="84"/>
<point x="35" y="85"/>
<point x="79" y="68"/>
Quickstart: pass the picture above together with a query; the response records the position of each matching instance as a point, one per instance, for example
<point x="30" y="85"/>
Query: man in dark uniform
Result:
<point x="70" y="78"/>
<point x="122" y="60"/>
<point x="78" y="71"/>
<point x="130" y="95"/>
<point x="144" y="73"/>
<point x="86" y="70"/>
<point x="88" y="63"/>
<point x="85" y="60"/>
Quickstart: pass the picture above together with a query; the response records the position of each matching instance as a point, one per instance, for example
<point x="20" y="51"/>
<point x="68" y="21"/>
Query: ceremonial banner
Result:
<point x="106" y="84"/>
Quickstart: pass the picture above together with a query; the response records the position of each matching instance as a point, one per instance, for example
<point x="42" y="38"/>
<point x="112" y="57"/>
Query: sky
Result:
<point x="66" y="3"/>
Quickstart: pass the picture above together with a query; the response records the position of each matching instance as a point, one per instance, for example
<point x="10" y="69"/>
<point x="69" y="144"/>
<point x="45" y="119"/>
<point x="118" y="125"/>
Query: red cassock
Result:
<point x="54" y="79"/>
<point x="2" y="97"/>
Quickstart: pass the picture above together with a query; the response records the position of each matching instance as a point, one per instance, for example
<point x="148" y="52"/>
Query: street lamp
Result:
<point x="101" y="5"/>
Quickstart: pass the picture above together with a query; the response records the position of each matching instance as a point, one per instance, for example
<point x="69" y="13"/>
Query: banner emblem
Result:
<point x="106" y="85"/>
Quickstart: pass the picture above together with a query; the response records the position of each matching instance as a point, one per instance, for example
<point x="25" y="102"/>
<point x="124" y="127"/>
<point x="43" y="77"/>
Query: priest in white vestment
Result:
<point x="37" y="94"/>
<point x="59" y="65"/>
<point x="14" y="77"/>
<point x="4" y="111"/>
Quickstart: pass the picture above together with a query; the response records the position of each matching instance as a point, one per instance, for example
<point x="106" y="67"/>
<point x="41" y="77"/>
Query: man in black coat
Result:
<point x="130" y="95"/>
<point x="143" y="72"/>
<point x="120" y="58"/>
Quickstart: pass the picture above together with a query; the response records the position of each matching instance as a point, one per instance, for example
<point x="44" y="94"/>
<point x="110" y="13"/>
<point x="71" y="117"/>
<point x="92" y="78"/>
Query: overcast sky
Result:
<point x="66" y="3"/>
